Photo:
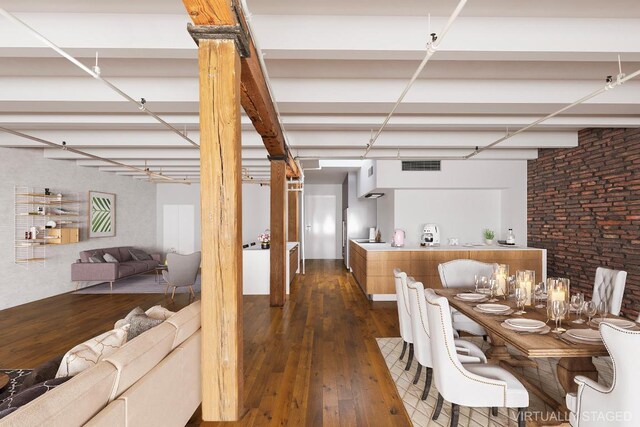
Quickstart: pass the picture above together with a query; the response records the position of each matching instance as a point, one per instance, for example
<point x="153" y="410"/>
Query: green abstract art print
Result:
<point x="102" y="214"/>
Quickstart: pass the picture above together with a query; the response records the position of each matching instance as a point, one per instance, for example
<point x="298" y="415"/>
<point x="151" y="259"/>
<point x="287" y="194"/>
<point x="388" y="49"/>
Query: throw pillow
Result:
<point x="96" y="259"/>
<point x="127" y="319"/>
<point x="31" y="393"/>
<point x="43" y="372"/>
<point x="159" y="312"/>
<point x="89" y="353"/>
<point x="110" y="258"/>
<point x="140" y="323"/>
<point x="140" y="255"/>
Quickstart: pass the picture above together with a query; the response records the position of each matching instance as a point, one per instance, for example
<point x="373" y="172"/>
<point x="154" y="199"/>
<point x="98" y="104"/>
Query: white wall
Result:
<point x="330" y="190"/>
<point x="256" y="214"/>
<point x="135" y="221"/>
<point x="178" y="194"/>
<point x="385" y="214"/>
<point x="506" y="205"/>
<point x="463" y="214"/>
<point x="362" y="212"/>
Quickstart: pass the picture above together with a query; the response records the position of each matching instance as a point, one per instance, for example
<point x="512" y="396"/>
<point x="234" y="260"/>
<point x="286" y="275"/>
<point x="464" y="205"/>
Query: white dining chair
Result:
<point x="472" y="385"/>
<point x="467" y="352"/>
<point x="404" y="315"/>
<point x="609" y="286"/>
<point x="595" y="405"/>
<point x="461" y="273"/>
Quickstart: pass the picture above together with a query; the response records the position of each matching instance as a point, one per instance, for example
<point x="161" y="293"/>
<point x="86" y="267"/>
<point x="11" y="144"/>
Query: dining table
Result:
<point x="575" y="358"/>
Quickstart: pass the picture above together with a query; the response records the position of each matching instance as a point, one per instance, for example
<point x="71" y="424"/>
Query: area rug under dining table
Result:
<point x="420" y="412"/>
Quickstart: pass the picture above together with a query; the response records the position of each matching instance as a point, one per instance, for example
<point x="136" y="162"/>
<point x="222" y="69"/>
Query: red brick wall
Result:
<point x="584" y="208"/>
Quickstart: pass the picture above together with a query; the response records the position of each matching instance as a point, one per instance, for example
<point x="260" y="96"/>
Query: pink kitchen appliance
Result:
<point x="398" y="238"/>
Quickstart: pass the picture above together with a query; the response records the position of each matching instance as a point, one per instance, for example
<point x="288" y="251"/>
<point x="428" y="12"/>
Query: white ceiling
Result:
<point x="336" y="68"/>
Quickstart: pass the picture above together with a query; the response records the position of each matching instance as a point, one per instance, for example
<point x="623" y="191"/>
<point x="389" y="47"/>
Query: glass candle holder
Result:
<point x="501" y="272"/>
<point x="526" y="279"/>
<point x="558" y="290"/>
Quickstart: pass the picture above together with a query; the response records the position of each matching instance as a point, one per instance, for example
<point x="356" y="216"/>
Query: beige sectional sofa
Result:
<point x="152" y="380"/>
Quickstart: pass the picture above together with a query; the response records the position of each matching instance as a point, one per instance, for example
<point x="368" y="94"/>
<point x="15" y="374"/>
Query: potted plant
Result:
<point x="489" y="235"/>
<point x="265" y="239"/>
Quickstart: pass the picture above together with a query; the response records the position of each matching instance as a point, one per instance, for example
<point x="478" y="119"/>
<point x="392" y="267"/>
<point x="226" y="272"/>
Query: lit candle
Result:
<point x="558" y="295"/>
<point x="528" y="285"/>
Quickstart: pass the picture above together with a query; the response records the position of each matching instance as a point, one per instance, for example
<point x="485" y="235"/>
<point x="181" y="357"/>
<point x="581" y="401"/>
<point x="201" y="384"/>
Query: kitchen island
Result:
<point x="372" y="264"/>
<point x="256" y="271"/>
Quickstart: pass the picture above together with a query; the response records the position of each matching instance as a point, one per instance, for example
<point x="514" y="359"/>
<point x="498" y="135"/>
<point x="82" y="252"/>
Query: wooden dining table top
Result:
<point x="531" y="345"/>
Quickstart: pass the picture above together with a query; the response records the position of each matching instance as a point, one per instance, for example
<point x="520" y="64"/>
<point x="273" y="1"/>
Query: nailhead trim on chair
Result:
<point x="504" y="386"/>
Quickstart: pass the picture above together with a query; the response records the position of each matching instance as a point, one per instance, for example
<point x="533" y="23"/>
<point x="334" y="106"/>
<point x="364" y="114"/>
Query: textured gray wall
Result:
<point x="135" y="221"/>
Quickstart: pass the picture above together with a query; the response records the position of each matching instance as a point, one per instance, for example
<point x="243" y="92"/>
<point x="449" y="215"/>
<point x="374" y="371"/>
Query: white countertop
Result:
<point x="256" y="247"/>
<point x="386" y="247"/>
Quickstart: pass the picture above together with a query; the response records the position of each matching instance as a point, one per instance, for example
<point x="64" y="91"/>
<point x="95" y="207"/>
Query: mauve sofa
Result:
<point x="85" y="271"/>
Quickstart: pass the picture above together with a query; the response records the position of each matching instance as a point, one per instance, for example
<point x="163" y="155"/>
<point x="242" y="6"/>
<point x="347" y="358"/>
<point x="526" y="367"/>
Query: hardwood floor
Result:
<point x="314" y="361"/>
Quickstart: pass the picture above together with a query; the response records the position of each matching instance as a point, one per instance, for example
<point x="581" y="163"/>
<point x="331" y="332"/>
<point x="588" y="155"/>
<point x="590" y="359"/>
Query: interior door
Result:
<point x="179" y="229"/>
<point x="320" y="227"/>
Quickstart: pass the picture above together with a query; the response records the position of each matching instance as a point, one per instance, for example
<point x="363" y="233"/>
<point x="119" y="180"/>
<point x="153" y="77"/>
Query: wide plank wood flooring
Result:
<point x="313" y="362"/>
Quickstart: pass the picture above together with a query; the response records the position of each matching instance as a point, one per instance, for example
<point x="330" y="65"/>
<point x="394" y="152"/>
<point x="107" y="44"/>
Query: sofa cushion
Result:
<point x="140" y="323"/>
<point x="186" y="321"/>
<point x="139" y="356"/>
<point x="125" y="255"/>
<point x="139" y="255"/>
<point x="127" y="319"/>
<point x="125" y="270"/>
<point x="159" y="312"/>
<point x="43" y="372"/>
<point x="85" y="255"/>
<point x="114" y="252"/>
<point x="96" y="258"/>
<point x="110" y="258"/>
<point x="89" y="353"/>
<point x="31" y="393"/>
<point x="138" y="266"/>
<point x="70" y="404"/>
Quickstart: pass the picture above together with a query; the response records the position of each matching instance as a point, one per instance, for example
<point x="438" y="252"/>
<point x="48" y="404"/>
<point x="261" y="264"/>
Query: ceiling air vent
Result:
<point x="421" y="165"/>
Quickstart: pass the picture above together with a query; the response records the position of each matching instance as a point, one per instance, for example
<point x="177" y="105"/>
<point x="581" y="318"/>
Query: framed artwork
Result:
<point x="102" y="214"/>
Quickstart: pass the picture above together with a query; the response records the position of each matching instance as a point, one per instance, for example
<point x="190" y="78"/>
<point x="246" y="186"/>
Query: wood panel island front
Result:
<point x="372" y="264"/>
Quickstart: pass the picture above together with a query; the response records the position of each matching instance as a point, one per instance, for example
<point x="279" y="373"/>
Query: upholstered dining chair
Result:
<point x="182" y="270"/>
<point x="472" y="385"/>
<point x="595" y="405"/>
<point x="460" y="273"/>
<point x="609" y="286"/>
<point x="466" y="351"/>
<point x="404" y="315"/>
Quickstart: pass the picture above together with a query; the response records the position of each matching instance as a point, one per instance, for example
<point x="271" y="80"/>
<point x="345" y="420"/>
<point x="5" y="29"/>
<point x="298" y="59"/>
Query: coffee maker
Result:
<point x="430" y="235"/>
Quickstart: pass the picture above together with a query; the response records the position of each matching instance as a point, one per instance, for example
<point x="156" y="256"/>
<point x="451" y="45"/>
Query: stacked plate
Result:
<point x="586" y="335"/>
<point x="471" y="297"/>
<point x="621" y="323"/>
<point x="493" y="308"/>
<point x="525" y="324"/>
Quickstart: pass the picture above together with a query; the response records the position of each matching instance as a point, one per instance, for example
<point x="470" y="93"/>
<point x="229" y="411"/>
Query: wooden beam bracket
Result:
<point x="222" y="32"/>
<point x="276" y="158"/>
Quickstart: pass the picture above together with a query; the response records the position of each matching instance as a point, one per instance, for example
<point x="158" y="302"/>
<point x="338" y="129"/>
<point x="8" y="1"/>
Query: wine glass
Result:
<point x="577" y="302"/>
<point x="590" y="309"/>
<point x="493" y="287"/>
<point x="603" y="309"/>
<point x="476" y="279"/>
<point x="521" y="299"/>
<point x="483" y="284"/>
<point x="539" y="291"/>
<point x="512" y="284"/>
<point x="559" y="310"/>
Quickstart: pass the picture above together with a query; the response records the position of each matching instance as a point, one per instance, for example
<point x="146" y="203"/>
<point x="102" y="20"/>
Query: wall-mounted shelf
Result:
<point x="33" y="211"/>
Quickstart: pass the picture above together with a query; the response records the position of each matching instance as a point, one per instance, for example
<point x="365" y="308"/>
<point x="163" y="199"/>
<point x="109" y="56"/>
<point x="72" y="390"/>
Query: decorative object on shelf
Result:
<point x="102" y="214"/>
<point x="265" y="239"/>
<point x="525" y="279"/>
<point x="33" y="234"/>
<point x="511" y="238"/>
<point x="558" y="290"/>
<point x="501" y="272"/>
<point x="489" y="235"/>
<point x="51" y="224"/>
<point x="47" y="192"/>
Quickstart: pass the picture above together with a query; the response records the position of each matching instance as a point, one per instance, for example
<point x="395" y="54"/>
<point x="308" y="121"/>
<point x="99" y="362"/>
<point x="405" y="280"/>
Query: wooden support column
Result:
<point x="293" y="214"/>
<point x="221" y="210"/>
<point x="278" y="255"/>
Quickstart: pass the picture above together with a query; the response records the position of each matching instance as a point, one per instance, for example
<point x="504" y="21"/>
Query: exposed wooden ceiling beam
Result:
<point x="255" y="96"/>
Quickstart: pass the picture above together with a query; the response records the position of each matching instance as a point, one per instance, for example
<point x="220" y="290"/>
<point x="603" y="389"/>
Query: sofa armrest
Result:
<point x="98" y="271"/>
<point x="157" y="257"/>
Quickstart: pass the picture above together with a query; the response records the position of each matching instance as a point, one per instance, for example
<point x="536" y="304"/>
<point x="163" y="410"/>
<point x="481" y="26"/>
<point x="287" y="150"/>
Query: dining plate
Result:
<point x="471" y="296"/>
<point x="493" y="308"/>
<point x="585" y="334"/>
<point x="528" y="324"/>
<point x="621" y="323"/>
